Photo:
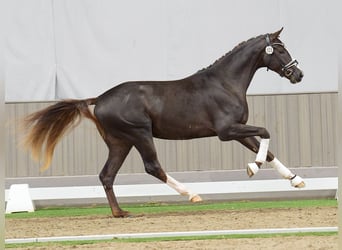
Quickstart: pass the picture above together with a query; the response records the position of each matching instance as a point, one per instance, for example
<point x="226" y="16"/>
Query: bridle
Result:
<point x="287" y="68"/>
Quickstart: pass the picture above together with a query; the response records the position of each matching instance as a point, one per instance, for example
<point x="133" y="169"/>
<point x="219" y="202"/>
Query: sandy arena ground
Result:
<point x="166" y="222"/>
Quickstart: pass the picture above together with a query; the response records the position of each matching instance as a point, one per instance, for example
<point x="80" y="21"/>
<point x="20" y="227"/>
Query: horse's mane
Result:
<point x="241" y="44"/>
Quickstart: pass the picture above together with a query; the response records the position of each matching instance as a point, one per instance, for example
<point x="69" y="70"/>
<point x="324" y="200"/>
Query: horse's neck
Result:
<point x="238" y="69"/>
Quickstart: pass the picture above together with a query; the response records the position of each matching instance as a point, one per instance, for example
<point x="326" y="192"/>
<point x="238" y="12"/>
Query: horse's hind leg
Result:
<point x="147" y="150"/>
<point x="253" y="144"/>
<point x="117" y="153"/>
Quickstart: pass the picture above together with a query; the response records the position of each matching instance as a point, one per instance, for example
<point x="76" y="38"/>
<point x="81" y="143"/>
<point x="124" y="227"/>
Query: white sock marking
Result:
<point x="179" y="187"/>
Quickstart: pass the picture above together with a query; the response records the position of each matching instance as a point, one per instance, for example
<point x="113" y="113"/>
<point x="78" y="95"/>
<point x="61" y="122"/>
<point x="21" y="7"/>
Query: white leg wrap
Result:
<point x="284" y="171"/>
<point x="296" y="181"/>
<point x="179" y="187"/>
<point x="262" y="152"/>
<point x="252" y="169"/>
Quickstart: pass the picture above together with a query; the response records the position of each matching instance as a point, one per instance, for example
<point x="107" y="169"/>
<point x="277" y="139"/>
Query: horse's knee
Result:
<point x="264" y="133"/>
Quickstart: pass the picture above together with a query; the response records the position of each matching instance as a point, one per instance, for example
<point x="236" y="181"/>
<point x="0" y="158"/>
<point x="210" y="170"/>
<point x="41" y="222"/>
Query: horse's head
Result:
<point x="277" y="58"/>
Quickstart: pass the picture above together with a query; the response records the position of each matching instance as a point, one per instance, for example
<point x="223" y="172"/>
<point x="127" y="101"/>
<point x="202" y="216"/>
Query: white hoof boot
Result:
<point x="252" y="169"/>
<point x="297" y="182"/>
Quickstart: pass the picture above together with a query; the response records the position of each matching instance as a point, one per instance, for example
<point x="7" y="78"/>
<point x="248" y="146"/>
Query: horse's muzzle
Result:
<point x="292" y="72"/>
<point x="296" y="75"/>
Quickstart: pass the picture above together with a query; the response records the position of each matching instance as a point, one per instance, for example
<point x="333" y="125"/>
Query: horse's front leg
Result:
<point x="261" y="149"/>
<point x="252" y="168"/>
<point x="296" y="180"/>
<point x="245" y="134"/>
<point x="241" y="133"/>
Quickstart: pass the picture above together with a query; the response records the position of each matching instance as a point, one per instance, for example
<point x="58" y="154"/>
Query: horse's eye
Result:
<point x="281" y="51"/>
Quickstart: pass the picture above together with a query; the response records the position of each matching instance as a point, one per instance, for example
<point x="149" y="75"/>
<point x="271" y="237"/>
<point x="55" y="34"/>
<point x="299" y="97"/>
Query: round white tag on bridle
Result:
<point x="269" y="50"/>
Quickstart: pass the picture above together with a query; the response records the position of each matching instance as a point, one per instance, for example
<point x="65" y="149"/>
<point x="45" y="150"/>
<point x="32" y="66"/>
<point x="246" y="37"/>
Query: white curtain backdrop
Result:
<point x="57" y="49"/>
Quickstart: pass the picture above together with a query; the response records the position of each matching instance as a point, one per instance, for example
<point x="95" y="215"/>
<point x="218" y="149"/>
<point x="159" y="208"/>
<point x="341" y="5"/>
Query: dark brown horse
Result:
<point x="211" y="102"/>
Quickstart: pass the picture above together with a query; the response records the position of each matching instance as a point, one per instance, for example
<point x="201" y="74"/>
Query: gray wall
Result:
<point x="78" y="49"/>
<point x="302" y="128"/>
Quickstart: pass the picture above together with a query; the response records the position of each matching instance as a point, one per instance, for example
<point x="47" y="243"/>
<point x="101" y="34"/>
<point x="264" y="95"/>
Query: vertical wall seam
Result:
<point x="53" y="24"/>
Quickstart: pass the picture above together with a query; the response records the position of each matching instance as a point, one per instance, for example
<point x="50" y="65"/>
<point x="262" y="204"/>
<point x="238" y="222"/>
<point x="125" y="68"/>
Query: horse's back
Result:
<point x="170" y="109"/>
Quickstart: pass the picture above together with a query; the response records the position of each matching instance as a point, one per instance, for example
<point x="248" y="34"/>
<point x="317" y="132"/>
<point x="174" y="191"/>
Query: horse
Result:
<point x="210" y="102"/>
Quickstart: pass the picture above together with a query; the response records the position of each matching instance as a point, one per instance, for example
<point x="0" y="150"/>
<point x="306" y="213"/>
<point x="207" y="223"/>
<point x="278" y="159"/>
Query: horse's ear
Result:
<point x="276" y="34"/>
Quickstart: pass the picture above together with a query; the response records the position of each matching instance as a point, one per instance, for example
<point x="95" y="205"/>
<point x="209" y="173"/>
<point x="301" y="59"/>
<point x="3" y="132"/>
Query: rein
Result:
<point x="287" y="68"/>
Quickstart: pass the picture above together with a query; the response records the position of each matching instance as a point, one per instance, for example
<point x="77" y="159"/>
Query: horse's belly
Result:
<point x="182" y="133"/>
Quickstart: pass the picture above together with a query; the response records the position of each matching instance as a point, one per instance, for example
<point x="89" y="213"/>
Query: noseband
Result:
<point x="286" y="69"/>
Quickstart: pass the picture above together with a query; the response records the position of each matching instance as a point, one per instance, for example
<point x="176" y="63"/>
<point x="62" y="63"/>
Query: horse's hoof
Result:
<point x="300" y="185"/>
<point x="252" y="169"/>
<point x="297" y="182"/>
<point x="196" y="198"/>
<point x="122" y="214"/>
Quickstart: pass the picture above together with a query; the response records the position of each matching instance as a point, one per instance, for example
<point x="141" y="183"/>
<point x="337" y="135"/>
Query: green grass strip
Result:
<point x="183" y="238"/>
<point x="219" y="237"/>
<point x="149" y="208"/>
